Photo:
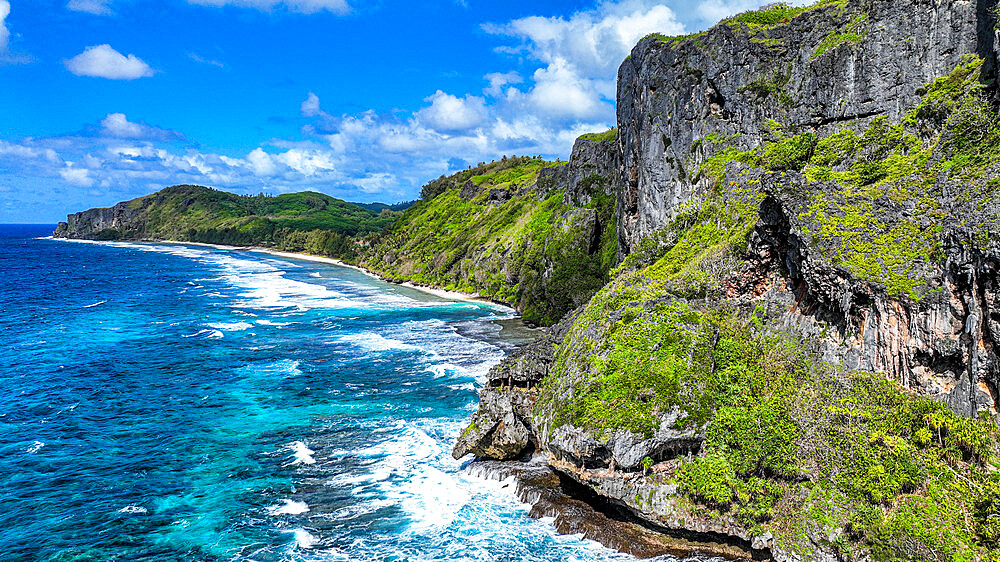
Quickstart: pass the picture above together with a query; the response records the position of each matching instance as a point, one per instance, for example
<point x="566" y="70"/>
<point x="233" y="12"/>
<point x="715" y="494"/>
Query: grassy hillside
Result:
<point x="307" y="221"/>
<point x="495" y="231"/>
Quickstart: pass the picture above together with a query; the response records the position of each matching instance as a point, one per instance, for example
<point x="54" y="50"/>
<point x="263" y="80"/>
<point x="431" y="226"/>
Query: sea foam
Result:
<point x="302" y="453"/>
<point x="289" y="507"/>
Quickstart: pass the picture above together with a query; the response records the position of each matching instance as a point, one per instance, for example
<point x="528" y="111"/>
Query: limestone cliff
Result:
<point x="833" y="65"/>
<point x="798" y="352"/>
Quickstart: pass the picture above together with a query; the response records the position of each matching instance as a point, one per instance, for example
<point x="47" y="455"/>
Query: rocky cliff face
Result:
<point x="120" y="221"/>
<point x="807" y="218"/>
<point x="835" y="67"/>
<point x="592" y="168"/>
<point x="839" y="63"/>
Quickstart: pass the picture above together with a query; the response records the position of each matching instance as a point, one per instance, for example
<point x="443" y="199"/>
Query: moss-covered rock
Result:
<point x="818" y="460"/>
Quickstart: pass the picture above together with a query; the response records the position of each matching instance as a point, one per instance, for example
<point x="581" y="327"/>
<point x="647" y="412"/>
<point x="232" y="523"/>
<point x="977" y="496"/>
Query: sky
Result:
<point x="366" y="100"/>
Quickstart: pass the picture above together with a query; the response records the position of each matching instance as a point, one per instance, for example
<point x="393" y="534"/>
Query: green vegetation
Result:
<point x="609" y="135"/>
<point x="777" y="15"/>
<point x="852" y="34"/>
<point x="490" y="230"/>
<point x="815" y="454"/>
<point x="773" y="85"/>
<point x="952" y="133"/>
<point x="793" y="445"/>
<point x="760" y="22"/>
<point x="673" y="39"/>
<point x="308" y="221"/>
<point x="506" y="173"/>
<point x="643" y="365"/>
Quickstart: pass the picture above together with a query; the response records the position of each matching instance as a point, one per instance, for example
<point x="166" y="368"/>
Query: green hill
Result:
<point x="512" y="230"/>
<point x="307" y="221"/>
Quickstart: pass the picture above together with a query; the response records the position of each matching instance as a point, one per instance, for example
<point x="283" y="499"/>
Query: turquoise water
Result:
<point x="172" y="402"/>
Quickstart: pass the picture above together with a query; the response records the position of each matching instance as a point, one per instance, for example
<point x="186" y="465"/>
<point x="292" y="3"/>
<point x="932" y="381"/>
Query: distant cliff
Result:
<point x="798" y="353"/>
<point x="308" y="221"/>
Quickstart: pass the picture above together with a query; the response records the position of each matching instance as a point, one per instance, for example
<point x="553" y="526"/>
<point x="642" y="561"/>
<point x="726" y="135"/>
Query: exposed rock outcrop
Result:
<point x="592" y="168"/>
<point x="735" y="79"/>
<point x="120" y="221"/>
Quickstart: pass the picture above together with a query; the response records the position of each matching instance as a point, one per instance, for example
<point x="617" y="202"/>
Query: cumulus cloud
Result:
<point x="102" y="61"/>
<point x="96" y="7"/>
<point x="580" y="56"/>
<point x="448" y="113"/>
<point x="560" y="91"/>
<point x="499" y="80"/>
<point x="304" y="6"/>
<point x="261" y="163"/>
<point x="564" y="88"/>
<point x="594" y="41"/>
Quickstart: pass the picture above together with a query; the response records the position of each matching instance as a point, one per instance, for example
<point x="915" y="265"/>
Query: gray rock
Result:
<point x="591" y="169"/>
<point x="501" y="427"/>
<point x="672" y="97"/>
<point x="579" y="447"/>
<point x="469" y="191"/>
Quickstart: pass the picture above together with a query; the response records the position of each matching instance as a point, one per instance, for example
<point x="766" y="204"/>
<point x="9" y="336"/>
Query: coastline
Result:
<point x="440" y="293"/>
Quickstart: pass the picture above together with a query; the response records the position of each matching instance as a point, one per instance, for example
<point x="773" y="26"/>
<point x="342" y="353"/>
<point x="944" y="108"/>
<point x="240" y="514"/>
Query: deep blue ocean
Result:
<point x="176" y="402"/>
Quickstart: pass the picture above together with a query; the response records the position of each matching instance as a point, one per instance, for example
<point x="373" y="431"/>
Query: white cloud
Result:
<point x="97" y="7"/>
<point x="102" y="61"/>
<point x="310" y="107"/>
<point x="28" y="152"/>
<point x="498" y="80"/>
<point x="448" y="113"/>
<point x="565" y="88"/>
<point x="117" y="125"/>
<point x="6" y="56"/>
<point x="79" y="177"/>
<point x="560" y="91"/>
<point x="309" y="163"/>
<point x="580" y="57"/>
<point x="4" y="32"/>
<point x="212" y="62"/>
<point x="304" y="6"/>
<point x="261" y="163"/>
<point x="596" y="41"/>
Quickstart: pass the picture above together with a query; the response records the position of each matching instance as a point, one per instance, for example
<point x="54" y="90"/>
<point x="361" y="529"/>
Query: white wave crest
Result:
<point x="303" y="539"/>
<point x="231" y="326"/>
<point x="206" y="334"/>
<point x="302" y="453"/>
<point x="375" y="342"/>
<point x="289" y="507"/>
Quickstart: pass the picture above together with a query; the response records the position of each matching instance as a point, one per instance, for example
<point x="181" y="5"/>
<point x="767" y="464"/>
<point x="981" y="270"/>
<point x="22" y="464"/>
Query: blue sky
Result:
<point x="106" y="100"/>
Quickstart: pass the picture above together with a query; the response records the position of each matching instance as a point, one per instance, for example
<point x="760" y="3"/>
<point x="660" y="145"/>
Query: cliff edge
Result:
<point x="797" y="353"/>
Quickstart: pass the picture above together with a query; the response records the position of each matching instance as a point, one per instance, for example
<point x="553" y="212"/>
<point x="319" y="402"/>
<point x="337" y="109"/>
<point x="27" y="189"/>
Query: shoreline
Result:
<point x="433" y="291"/>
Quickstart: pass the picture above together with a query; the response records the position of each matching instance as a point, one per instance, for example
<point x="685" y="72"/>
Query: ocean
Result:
<point x="179" y="402"/>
